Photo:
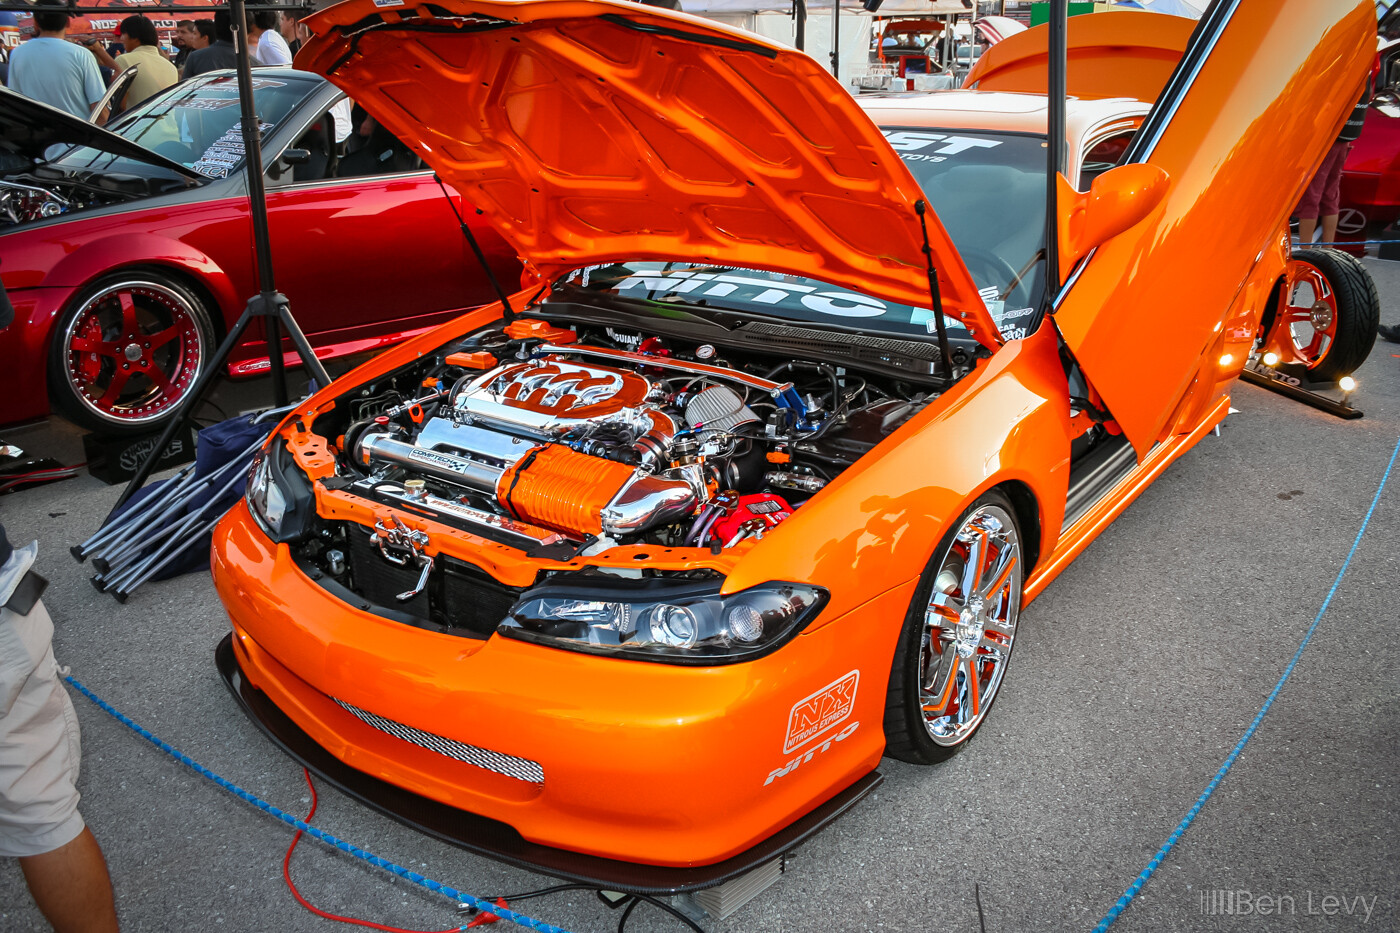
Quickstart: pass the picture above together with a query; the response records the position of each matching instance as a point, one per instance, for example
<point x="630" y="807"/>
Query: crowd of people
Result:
<point x="73" y="73"/>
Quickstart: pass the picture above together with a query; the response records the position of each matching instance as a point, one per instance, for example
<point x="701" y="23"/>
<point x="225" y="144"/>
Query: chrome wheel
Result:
<point x="970" y="625"/>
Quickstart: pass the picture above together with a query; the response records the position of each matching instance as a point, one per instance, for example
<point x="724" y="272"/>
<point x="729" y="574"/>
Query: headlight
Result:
<point x="688" y="624"/>
<point x="265" y="498"/>
<point x="279" y="494"/>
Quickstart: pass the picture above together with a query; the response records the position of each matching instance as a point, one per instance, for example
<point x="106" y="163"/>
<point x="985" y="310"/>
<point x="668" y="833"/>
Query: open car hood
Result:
<point x="28" y="128"/>
<point x="599" y="131"/>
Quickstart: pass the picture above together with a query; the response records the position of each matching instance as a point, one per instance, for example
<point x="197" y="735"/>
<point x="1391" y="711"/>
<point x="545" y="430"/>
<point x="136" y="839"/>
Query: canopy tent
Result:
<point x="888" y="8"/>
<point x="1169" y="7"/>
<point x="996" y="28"/>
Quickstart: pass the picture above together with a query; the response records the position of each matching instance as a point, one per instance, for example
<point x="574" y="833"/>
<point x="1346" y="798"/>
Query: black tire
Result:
<point x="909" y="735"/>
<point x="1357" y="312"/>
<point x="126" y="350"/>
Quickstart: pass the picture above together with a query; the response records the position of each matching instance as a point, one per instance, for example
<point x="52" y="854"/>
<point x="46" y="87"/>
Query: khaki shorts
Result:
<point x="38" y="740"/>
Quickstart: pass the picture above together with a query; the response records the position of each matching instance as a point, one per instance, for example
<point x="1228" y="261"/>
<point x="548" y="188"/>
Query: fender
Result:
<point x="1015" y="403"/>
<point x="71" y="254"/>
<point x="121" y="250"/>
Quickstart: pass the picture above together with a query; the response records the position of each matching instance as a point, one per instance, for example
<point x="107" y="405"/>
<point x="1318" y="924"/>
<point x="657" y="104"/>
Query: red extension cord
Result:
<point x="480" y="920"/>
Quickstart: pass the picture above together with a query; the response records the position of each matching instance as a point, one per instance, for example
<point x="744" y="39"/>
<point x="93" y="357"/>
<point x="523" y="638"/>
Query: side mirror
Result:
<point x="289" y="158"/>
<point x="1117" y="200"/>
<point x="1388" y="103"/>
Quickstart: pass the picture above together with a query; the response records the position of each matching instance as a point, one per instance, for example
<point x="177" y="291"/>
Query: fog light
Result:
<point x="1271" y="358"/>
<point x="745" y="623"/>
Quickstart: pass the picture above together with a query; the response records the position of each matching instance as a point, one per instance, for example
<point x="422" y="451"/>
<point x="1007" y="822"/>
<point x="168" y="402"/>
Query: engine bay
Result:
<point x="548" y="434"/>
<point x="566" y="441"/>
<point x="29" y="197"/>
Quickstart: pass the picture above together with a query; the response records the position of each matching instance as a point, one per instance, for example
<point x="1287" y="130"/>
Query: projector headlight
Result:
<point x="687" y="624"/>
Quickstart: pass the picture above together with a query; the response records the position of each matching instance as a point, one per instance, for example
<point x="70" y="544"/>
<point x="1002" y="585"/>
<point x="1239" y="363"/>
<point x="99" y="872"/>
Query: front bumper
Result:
<point x="654" y="778"/>
<point x="499" y="841"/>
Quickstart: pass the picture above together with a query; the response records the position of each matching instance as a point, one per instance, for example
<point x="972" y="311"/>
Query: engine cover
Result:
<point x="546" y="398"/>
<point x="510" y="433"/>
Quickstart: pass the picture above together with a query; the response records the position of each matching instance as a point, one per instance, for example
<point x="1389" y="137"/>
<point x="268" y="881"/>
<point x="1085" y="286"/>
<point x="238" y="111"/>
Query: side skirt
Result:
<point x="1098" y="517"/>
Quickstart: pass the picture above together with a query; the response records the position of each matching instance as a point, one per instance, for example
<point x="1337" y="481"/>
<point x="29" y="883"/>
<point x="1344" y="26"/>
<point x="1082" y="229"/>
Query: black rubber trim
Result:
<point x="738" y="45"/>
<point x="496" y="840"/>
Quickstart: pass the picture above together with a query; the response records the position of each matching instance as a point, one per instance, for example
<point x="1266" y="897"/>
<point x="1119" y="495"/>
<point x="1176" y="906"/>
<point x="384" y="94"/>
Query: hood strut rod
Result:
<point x="937" y="299"/>
<point x="507" y="312"/>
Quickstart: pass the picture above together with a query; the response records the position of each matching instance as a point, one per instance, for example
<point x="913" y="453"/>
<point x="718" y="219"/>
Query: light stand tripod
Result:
<point x="268" y="304"/>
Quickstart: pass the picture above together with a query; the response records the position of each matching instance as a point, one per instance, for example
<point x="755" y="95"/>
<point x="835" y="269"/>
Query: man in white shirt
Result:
<point x="54" y="71"/>
<point x="265" y="43"/>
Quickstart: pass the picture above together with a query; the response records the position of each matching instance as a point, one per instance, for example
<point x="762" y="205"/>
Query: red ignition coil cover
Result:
<point x="764" y="506"/>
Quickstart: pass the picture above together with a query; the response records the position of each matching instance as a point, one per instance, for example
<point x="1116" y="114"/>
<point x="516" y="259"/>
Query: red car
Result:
<point x="127" y="251"/>
<point x="1371" y="176"/>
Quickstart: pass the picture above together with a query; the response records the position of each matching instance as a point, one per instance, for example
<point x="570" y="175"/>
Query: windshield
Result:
<point x="987" y="189"/>
<point x="195" y="123"/>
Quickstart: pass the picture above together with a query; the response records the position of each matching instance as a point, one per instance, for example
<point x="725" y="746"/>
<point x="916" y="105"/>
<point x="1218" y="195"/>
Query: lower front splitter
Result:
<point x="500" y="841"/>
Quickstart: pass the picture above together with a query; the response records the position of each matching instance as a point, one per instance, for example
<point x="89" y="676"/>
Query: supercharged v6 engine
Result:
<point x="586" y="451"/>
<point x="576" y="443"/>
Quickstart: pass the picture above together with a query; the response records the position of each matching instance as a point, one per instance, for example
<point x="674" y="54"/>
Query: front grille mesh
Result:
<point x="522" y="769"/>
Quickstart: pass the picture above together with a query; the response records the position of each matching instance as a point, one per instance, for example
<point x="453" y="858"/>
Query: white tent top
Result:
<point x="818" y="7"/>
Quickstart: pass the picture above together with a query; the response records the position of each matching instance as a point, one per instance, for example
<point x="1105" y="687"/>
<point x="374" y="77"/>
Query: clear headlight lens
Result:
<point x="265" y="497"/>
<point x="675" y="624"/>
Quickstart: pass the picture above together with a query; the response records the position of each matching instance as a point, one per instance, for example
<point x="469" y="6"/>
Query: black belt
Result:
<point x="26" y="593"/>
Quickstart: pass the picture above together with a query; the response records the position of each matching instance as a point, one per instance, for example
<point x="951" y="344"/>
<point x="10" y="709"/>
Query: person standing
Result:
<point x="142" y="45"/>
<point x="1323" y="198"/>
<point x="219" y="54"/>
<point x="40" y="824"/>
<point x="185" y="34"/>
<point x="265" y="43"/>
<point x="52" y="70"/>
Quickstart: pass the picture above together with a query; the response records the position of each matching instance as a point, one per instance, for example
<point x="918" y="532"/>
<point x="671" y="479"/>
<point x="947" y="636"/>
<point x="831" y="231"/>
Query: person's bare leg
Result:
<point x="72" y="887"/>
<point x="1306" y="226"/>
<point x="1329" y="228"/>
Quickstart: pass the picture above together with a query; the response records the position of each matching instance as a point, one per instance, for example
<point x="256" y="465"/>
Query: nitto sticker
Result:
<point x="821" y="711"/>
<point x="383" y="3"/>
<point x="800" y="760"/>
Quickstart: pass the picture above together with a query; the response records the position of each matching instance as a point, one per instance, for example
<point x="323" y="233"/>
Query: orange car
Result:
<point x="636" y="580"/>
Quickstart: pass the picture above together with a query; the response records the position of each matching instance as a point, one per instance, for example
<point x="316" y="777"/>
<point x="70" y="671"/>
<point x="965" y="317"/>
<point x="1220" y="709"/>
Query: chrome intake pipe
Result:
<point x="383" y="448"/>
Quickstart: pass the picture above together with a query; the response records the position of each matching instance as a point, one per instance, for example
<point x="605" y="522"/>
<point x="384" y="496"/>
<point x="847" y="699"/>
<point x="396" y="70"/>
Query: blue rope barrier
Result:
<point x="1155" y="862"/>
<point x="318" y="834"/>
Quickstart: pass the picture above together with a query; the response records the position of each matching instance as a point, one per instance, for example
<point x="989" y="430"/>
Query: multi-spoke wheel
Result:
<point x="126" y="352"/>
<point x="1324" y="321"/>
<point x="957" y="640"/>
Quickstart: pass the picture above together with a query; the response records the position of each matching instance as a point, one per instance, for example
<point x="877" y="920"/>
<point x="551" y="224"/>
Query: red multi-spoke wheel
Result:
<point x="127" y="352"/>
<point x="1309" y="313"/>
<point x="1325" y="317"/>
<point x="957" y="640"/>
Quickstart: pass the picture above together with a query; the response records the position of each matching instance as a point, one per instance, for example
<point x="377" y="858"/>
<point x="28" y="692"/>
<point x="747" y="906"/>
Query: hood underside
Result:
<point x="597" y="131"/>
<point x="28" y="128"/>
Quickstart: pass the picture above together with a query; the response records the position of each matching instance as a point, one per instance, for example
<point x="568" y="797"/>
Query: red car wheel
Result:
<point x="1329" y="312"/>
<point x="128" y="352"/>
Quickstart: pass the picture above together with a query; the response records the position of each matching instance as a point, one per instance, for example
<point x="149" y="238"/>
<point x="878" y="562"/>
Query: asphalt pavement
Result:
<point x="1135" y="675"/>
